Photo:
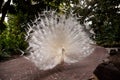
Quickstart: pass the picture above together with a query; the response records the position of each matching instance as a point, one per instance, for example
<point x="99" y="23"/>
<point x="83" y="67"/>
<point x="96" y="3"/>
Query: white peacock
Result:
<point x="55" y="39"/>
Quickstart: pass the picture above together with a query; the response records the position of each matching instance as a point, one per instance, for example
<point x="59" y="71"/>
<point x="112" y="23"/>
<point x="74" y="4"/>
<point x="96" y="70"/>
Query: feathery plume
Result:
<point x="54" y="39"/>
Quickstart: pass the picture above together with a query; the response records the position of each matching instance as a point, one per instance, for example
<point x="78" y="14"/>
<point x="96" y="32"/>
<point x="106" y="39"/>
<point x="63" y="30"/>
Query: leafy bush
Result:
<point x="12" y="41"/>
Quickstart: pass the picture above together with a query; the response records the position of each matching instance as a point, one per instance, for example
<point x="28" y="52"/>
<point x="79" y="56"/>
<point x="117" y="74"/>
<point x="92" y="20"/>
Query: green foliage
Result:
<point x="105" y="18"/>
<point x="105" y="22"/>
<point x="12" y="39"/>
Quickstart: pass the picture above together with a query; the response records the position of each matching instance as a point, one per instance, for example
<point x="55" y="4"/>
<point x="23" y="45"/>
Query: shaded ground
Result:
<point x="22" y="69"/>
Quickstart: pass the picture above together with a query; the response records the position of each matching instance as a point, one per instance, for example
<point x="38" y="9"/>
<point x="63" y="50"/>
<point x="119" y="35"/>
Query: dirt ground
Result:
<point x="22" y="69"/>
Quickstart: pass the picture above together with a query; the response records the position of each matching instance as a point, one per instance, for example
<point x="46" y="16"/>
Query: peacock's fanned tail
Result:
<point x="54" y="39"/>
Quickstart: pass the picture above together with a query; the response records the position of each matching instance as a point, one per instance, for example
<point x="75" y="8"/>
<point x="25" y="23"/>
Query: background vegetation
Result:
<point x="104" y="16"/>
